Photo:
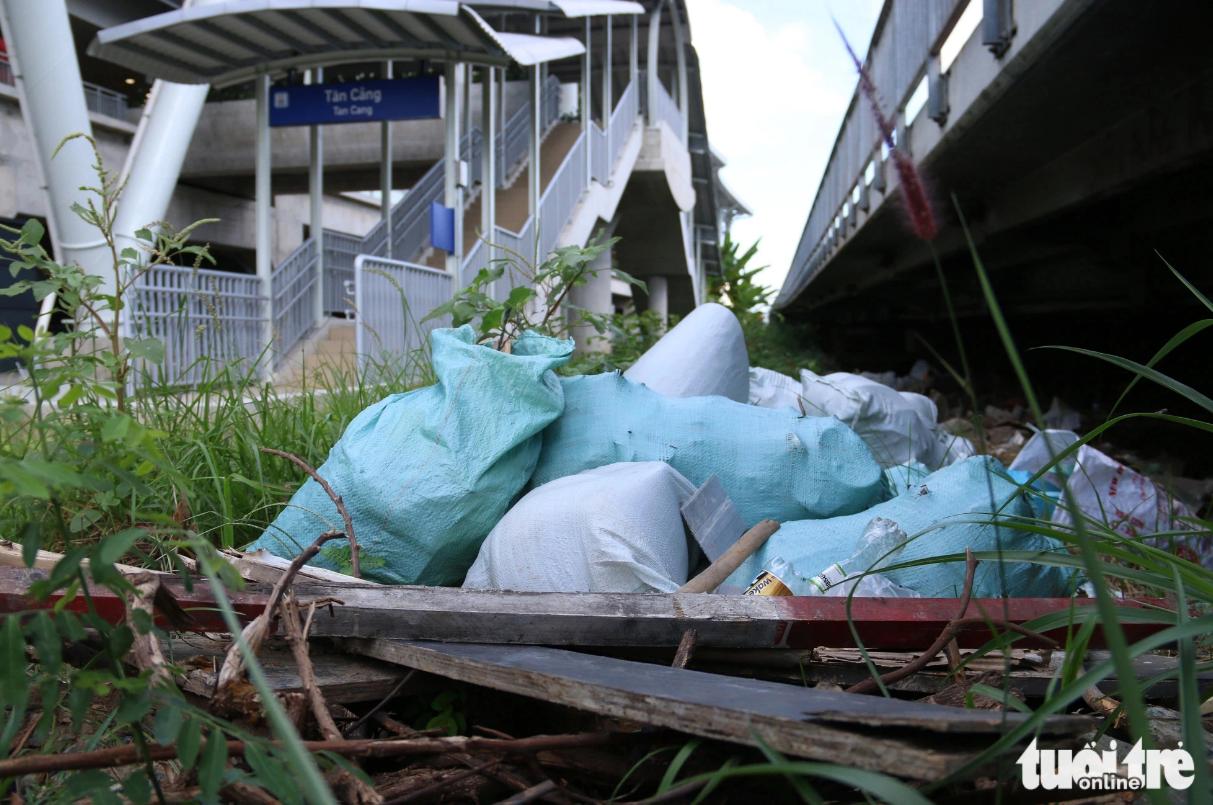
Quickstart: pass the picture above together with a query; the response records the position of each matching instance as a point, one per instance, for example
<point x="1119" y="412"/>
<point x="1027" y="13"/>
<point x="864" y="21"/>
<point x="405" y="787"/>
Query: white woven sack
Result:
<point x="770" y="389"/>
<point x="704" y="356"/>
<point x="614" y="529"/>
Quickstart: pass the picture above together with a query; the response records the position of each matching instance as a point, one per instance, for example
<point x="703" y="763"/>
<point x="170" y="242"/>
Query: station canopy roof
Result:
<point x="229" y="42"/>
<point x="569" y="8"/>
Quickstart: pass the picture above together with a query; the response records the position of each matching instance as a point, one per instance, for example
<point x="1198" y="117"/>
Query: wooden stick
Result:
<point x="254" y="634"/>
<point x="446" y="782"/>
<point x="686" y="648"/>
<point x="146" y="648"/>
<point x="355" y="569"/>
<point x="730" y="560"/>
<point x="530" y="795"/>
<point x="949" y="633"/>
<point x="349" y="788"/>
<point x="395" y="692"/>
<point x="128" y="754"/>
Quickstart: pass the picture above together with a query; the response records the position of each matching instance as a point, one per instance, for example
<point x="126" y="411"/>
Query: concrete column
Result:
<point x="263" y="199"/>
<point x="659" y="296"/>
<point x="594" y="296"/>
<point x="43" y="60"/>
<point x="488" y="156"/>
<point x="315" y="191"/>
<point x="450" y="164"/>
<point x="385" y="172"/>
<point x="653" y="80"/>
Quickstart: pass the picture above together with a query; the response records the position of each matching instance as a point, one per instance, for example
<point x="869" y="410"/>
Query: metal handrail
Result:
<point x="6" y="71"/>
<point x="104" y="101"/>
<point x="294" y="285"/>
<point x="392" y="297"/>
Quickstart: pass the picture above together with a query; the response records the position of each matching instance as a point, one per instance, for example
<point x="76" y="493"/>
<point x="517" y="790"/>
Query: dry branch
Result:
<point x="148" y="654"/>
<point x="355" y="570"/>
<point x="129" y="754"/>
<point x="254" y="634"/>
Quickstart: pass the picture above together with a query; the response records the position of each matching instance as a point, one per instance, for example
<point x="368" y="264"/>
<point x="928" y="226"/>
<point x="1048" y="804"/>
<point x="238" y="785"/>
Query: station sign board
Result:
<point x="356" y="101"/>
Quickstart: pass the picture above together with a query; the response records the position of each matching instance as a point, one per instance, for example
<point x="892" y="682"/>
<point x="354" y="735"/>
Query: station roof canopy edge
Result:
<point x="229" y="42"/>
<point x="568" y="8"/>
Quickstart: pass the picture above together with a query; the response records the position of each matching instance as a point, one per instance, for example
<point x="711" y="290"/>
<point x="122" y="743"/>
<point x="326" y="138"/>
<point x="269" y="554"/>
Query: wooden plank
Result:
<point x="613" y="619"/>
<point x="906" y="739"/>
<point x="342" y="678"/>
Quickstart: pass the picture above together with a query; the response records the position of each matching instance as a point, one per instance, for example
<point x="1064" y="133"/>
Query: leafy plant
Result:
<point x="538" y="296"/>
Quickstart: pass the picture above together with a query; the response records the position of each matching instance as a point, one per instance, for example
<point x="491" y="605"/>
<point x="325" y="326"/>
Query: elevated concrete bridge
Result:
<point x="1077" y="138"/>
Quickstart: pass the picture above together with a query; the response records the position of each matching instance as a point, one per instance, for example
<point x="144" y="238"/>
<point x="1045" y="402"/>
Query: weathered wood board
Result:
<point x="614" y="619"/>
<point x="342" y="678"/>
<point x="906" y="739"/>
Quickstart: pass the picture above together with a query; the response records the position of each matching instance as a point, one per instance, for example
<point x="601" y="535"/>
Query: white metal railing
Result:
<point x="666" y="108"/>
<point x="600" y="155"/>
<point x="623" y="120"/>
<point x="294" y="289"/>
<point x="393" y="297"/>
<point x="207" y="320"/>
<point x="896" y="62"/>
<point x="6" y="71"/>
<point x="561" y="196"/>
<point x="104" y="101"/>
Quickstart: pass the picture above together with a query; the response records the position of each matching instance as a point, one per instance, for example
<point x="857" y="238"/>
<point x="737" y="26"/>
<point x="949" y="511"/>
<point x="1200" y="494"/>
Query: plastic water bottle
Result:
<point x="777" y="577"/>
<point x="881" y="543"/>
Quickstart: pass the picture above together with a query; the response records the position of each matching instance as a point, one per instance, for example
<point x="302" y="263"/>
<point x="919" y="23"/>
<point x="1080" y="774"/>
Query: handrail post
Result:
<point x="608" y="98"/>
<point x="587" y="101"/>
<point x="385" y="173"/>
<point x="654" y="81"/>
<point x="262" y="196"/>
<point x="450" y="196"/>
<point x="488" y="156"/>
<point x="316" y="203"/>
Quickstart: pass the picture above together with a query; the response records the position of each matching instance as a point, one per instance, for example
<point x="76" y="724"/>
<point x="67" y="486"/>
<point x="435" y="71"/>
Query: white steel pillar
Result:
<point x="315" y="191"/>
<point x="608" y="98"/>
<point x="533" y="177"/>
<point x="47" y="76"/>
<point x="652" y="78"/>
<point x="488" y="156"/>
<point x="450" y="163"/>
<point x="263" y="198"/>
<point x="587" y="101"/>
<point x="680" y="57"/>
<point x="634" y="52"/>
<point x="385" y="173"/>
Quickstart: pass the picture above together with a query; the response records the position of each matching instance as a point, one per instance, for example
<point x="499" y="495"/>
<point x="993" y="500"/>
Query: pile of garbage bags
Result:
<point x="504" y="476"/>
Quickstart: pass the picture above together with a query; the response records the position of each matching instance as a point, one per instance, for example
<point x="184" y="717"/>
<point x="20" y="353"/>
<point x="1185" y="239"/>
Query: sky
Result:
<point x="776" y="84"/>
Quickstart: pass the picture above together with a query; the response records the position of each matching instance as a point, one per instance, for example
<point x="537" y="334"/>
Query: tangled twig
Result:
<point x="954" y="627"/>
<point x="355" y="570"/>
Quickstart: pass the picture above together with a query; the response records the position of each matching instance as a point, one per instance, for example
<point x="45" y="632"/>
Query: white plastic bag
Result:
<point x="897" y="430"/>
<point x="614" y="529"/>
<point x="703" y="356"/>
<point x="1128" y="502"/>
<point x="770" y="389"/>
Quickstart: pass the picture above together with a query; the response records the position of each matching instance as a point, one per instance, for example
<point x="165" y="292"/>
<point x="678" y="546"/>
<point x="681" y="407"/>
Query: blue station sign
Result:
<point x="355" y="102"/>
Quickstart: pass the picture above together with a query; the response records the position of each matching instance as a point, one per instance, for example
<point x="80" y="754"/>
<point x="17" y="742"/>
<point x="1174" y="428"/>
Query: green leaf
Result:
<point x="136" y="787"/>
<point x="79" y="697"/>
<point x="518" y="297"/>
<point x="31" y="542"/>
<point x="671" y="773"/>
<point x="210" y="768"/>
<point x="25" y="333"/>
<point x="148" y="349"/>
<point x="112" y="548"/>
<point x="32" y="232"/>
<point x="1177" y="339"/>
<point x="115" y="428"/>
<point x="630" y="280"/>
<point x="443" y="721"/>
<point x="272" y="773"/>
<point x="1148" y="373"/>
<point x="70" y="396"/>
<point x="167" y="725"/>
<point x="47" y="643"/>
<point x="69" y="626"/>
<point x="134" y="706"/>
<point x="1000" y="696"/>
<point x="129" y="254"/>
<point x="120" y="641"/>
<point x="12" y="661"/>
<point x="188" y="742"/>
<point x="144" y="234"/>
